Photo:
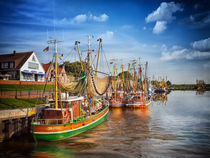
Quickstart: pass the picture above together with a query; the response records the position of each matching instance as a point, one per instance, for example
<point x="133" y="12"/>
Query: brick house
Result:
<point x="23" y="66"/>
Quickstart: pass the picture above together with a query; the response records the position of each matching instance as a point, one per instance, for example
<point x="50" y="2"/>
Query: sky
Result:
<point x="173" y="36"/>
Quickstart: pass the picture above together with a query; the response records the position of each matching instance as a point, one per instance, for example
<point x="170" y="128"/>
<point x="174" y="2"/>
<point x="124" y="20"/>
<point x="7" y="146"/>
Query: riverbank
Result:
<point x="187" y="87"/>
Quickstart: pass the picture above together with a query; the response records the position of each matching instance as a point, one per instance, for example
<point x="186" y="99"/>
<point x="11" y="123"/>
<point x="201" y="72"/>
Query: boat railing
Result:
<point x="50" y="121"/>
<point x="58" y="121"/>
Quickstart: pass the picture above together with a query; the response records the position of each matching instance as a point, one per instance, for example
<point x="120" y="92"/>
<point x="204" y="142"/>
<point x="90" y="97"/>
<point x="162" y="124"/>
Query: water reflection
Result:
<point x="179" y="129"/>
<point x="161" y="98"/>
<point x="51" y="151"/>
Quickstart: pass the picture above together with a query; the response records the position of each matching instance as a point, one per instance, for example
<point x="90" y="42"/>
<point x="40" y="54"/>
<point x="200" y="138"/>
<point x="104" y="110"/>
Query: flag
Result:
<point x="46" y="49"/>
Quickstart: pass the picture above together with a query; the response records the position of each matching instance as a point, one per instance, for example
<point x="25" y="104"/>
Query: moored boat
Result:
<point x="67" y="122"/>
<point x="138" y="101"/>
<point x="67" y="116"/>
<point x="116" y="103"/>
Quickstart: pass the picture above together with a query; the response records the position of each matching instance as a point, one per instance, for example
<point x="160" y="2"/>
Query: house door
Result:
<point x="36" y="77"/>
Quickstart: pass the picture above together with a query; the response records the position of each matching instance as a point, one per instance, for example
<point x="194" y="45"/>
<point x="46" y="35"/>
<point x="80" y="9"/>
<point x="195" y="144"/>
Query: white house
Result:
<point x="21" y="66"/>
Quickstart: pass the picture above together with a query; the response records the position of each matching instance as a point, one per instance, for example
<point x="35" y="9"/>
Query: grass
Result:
<point x="11" y="103"/>
<point x="14" y="87"/>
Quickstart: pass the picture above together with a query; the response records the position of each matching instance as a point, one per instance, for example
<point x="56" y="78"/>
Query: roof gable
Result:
<point x="18" y="58"/>
<point x="47" y="67"/>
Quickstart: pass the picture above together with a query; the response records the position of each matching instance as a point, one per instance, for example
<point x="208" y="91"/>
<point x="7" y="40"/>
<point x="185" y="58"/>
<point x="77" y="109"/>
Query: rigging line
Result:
<point x="105" y="59"/>
<point x="54" y="18"/>
<point x="47" y="77"/>
<point x="70" y="53"/>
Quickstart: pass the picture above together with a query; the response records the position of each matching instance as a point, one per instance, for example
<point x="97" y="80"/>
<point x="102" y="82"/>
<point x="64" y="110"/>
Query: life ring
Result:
<point x="65" y="115"/>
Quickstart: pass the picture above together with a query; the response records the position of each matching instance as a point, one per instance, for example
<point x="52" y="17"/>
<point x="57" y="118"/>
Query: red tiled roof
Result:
<point x="45" y="67"/>
<point x="59" y="70"/>
<point x="18" y="58"/>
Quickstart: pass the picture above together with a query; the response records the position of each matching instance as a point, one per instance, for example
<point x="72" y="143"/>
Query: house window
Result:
<point x="33" y="65"/>
<point x="11" y="65"/>
<point x="33" y="58"/>
<point x="5" y="65"/>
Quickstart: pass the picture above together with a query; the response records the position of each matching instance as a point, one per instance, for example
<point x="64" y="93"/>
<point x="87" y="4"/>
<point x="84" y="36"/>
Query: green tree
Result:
<point x="168" y="83"/>
<point x="74" y="68"/>
<point x="127" y="75"/>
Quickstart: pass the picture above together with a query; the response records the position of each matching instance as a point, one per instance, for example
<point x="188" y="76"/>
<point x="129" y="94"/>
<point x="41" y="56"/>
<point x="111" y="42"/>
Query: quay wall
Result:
<point x="15" y="122"/>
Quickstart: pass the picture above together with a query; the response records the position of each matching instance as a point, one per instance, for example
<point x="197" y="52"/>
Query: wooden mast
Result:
<point x="100" y="40"/>
<point x="89" y="89"/>
<point x="145" y="78"/>
<point x="56" y="77"/>
<point x="115" y="85"/>
<point x="122" y="75"/>
<point x="56" y="71"/>
<point x="80" y="58"/>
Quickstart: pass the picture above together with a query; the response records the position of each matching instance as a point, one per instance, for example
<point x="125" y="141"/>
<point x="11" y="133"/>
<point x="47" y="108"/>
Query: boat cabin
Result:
<point x="69" y="109"/>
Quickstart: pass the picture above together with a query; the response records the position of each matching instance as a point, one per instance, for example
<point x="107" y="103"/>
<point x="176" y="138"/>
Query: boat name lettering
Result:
<point x="54" y="128"/>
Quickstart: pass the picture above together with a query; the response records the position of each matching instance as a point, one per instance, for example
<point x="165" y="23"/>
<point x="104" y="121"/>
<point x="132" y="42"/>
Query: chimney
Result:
<point x="14" y="52"/>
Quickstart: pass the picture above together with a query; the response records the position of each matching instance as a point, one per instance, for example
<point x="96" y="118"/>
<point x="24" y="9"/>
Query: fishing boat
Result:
<point x="138" y="97"/>
<point x="138" y="101"/>
<point x="161" y="87"/>
<point x="117" y="99"/>
<point x="67" y="116"/>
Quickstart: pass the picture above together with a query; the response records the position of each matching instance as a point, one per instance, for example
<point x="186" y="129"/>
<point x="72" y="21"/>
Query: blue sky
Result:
<point x="173" y="36"/>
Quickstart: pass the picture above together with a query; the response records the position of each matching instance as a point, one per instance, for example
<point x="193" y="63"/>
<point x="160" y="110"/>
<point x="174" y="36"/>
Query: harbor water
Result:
<point x="176" y="125"/>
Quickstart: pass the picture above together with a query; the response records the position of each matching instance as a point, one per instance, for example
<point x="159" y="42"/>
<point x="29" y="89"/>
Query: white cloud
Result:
<point x="202" y="45"/>
<point x="101" y="18"/>
<point x="164" y="12"/>
<point x="177" y="52"/>
<point x="163" y="15"/>
<point x="108" y="35"/>
<point x="80" y="18"/>
<point x="160" y="27"/>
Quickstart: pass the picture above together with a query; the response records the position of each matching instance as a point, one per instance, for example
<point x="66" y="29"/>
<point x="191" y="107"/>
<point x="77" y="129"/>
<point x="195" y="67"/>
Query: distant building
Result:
<point x="62" y="74"/>
<point x="49" y="71"/>
<point x="50" y="74"/>
<point x="21" y="66"/>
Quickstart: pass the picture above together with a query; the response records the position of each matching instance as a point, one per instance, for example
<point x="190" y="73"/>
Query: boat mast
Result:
<point x="145" y="80"/>
<point x="135" y="78"/>
<point x="122" y="75"/>
<point x="80" y="58"/>
<point x="89" y="89"/>
<point x="56" y="71"/>
<point x="115" y="84"/>
<point x="128" y="77"/>
<point x="100" y="40"/>
<point x="140" y="72"/>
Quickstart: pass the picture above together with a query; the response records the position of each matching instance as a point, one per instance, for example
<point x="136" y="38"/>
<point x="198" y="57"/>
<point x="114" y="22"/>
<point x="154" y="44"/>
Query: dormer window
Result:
<point x="33" y="58"/>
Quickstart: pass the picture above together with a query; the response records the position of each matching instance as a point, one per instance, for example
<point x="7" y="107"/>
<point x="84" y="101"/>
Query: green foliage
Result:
<point x="127" y="75"/>
<point x="183" y="86"/>
<point x="14" y="87"/>
<point x="155" y="82"/>
<point x="168" y="83"/>
<point x="75" y="68"/>
<point x="9" y="103"/>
